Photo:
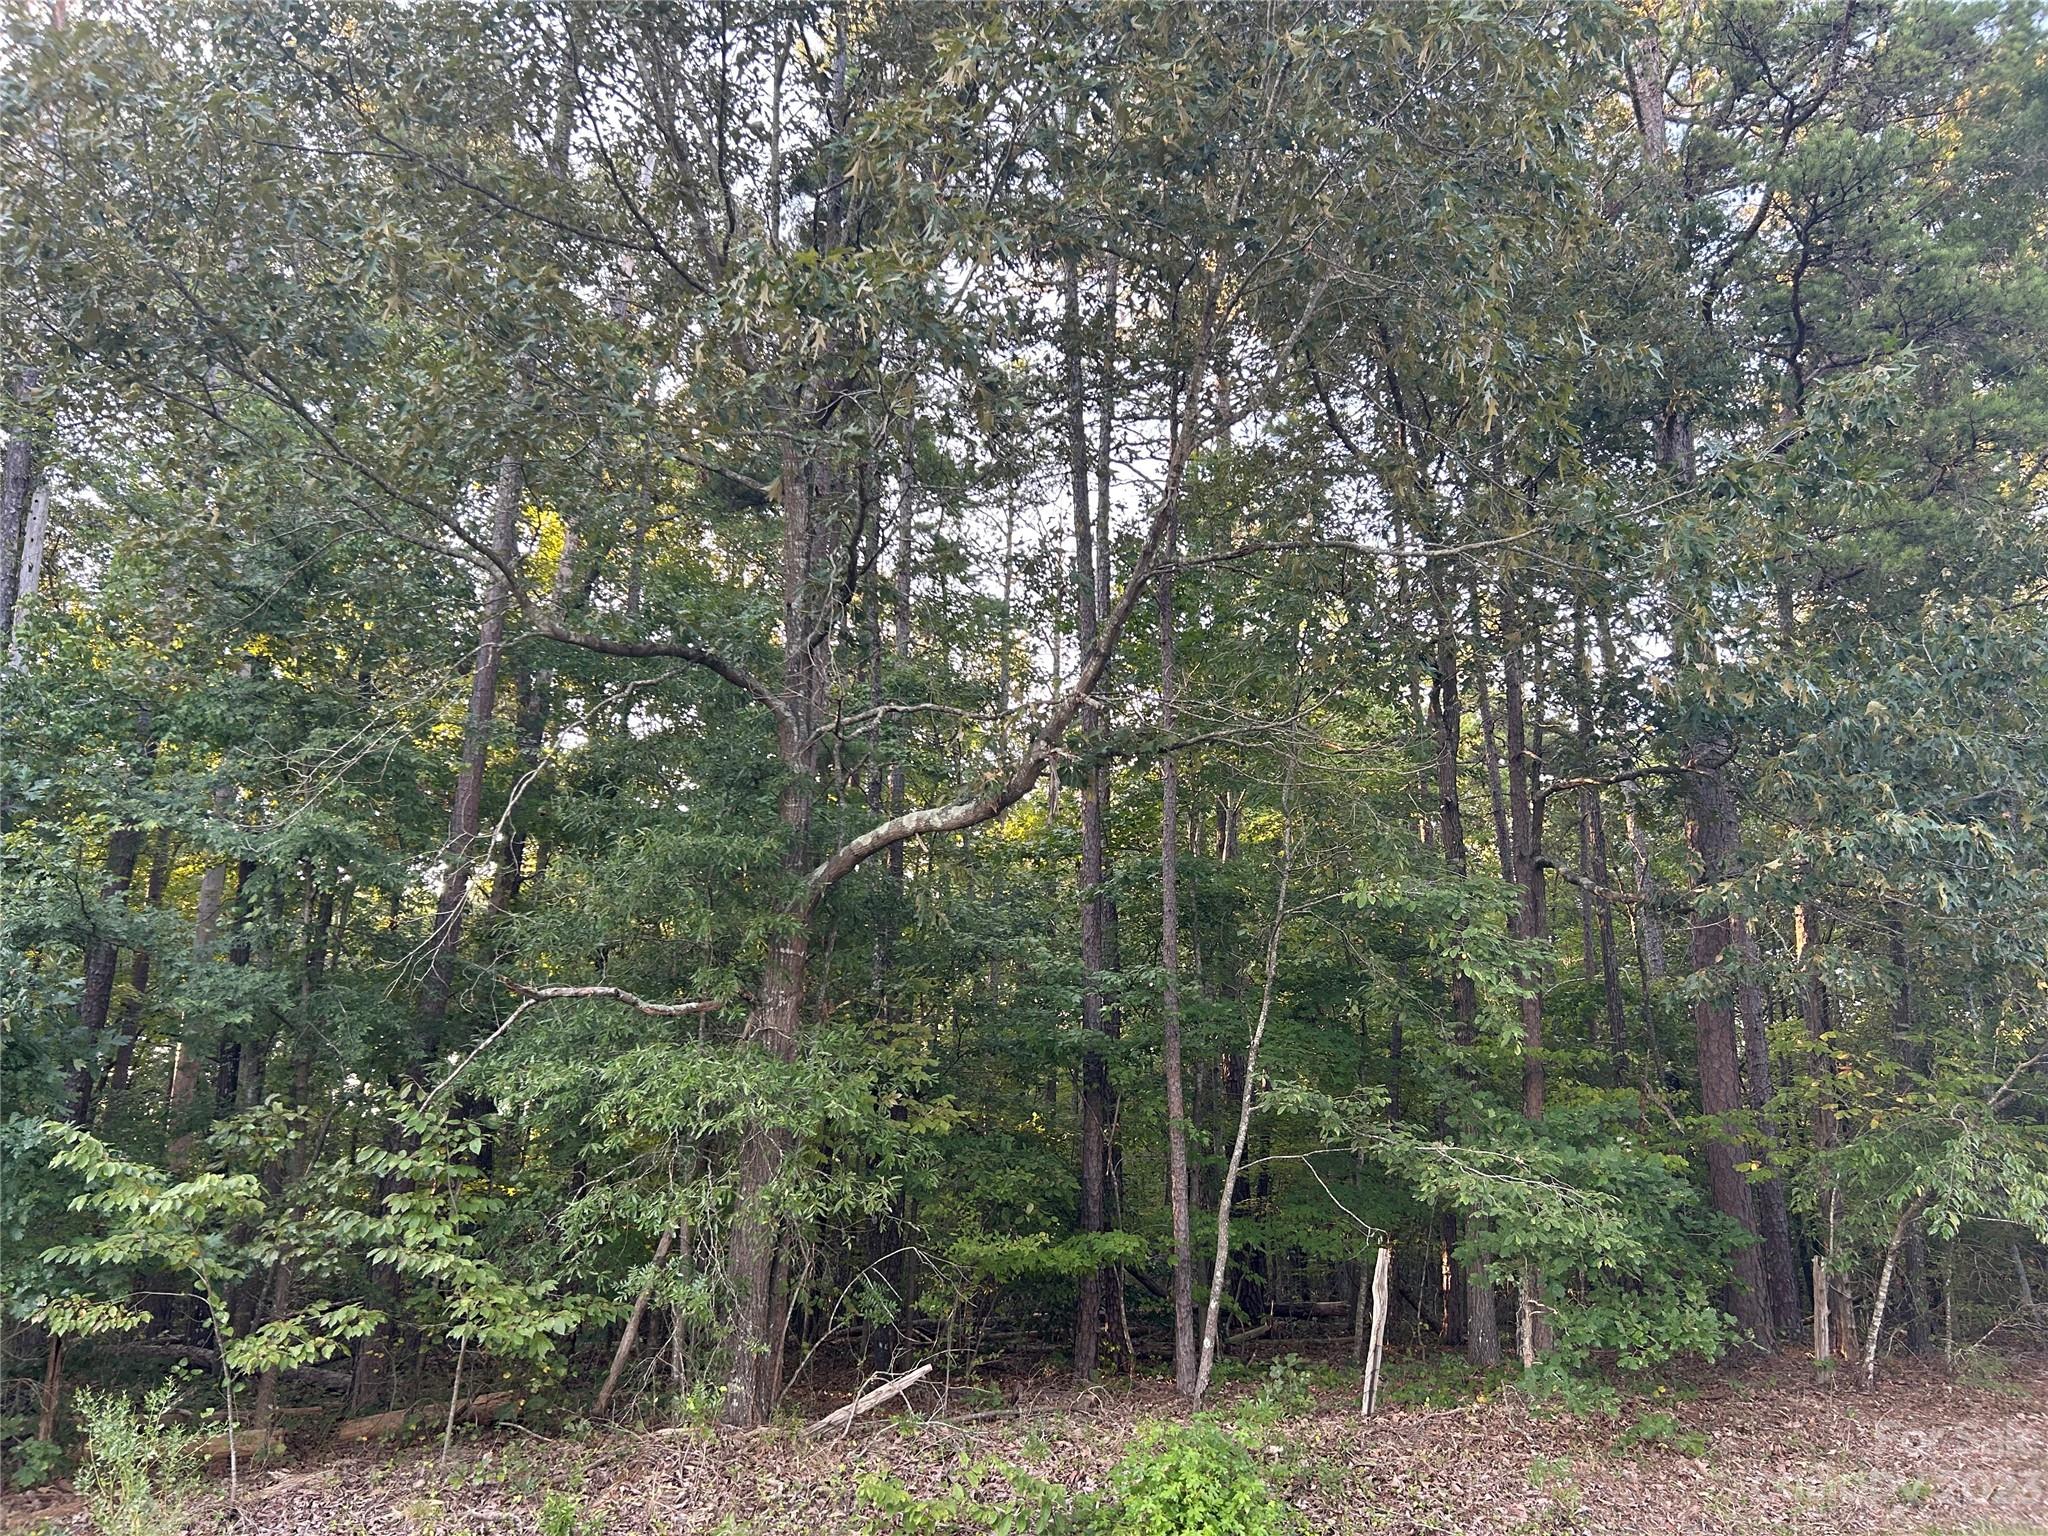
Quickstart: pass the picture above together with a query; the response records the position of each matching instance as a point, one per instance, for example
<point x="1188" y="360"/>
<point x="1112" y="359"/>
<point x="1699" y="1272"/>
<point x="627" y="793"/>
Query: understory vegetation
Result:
<point x="702" y="703"/>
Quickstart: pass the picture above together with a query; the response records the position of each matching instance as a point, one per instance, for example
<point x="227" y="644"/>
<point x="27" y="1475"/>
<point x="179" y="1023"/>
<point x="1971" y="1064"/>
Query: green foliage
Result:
<point x="1193" y="1479"/>
<point x="138" y="1467"/>
<point x="505" y="573"/>
<point x="1001" y="1500"/>
<point x="562" y="1515"/>
<point x="1656" y="1428"/>
<point x="36" y="1462"/>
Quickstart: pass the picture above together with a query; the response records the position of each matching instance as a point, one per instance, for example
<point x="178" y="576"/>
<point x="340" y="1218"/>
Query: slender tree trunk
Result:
<point x="1593" y="840"/>
<point x="1827" y="1134"/>
<point x="35" y="531"/>
<point x="1531" y="923"/>
<point x="465" y="819"/>
<point x="1915" y="1300"/>
<point x="185" y="1069"/>
<point x="1248" y="1092"/>
<point x="1185" y="1362"/>
<point x="17" y="490"/>
<point x="1096" y="1109"/>
<point x="631" y="1334"/>
<point x="102" y="958"/>
<point x="129" y="1028"/>
<point x="1470" y="1289"/>
<point x="1908" y="1218"/>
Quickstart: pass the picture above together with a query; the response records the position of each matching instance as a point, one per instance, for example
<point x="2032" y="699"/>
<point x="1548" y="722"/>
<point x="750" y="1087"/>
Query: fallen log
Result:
<point x="249" y="1446"/>
<point x="840" y="1418"/>
<point x="483" y="1408"/>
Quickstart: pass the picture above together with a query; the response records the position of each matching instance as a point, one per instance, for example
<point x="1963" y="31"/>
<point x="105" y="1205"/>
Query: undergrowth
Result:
<point x="1178" y="1479"/>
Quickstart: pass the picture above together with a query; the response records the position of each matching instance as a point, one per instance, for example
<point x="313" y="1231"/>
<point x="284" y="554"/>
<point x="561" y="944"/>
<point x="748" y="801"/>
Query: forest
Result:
<point x="706" y="703"/>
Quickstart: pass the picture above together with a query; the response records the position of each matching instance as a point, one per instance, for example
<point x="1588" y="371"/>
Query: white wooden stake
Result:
<point x="1376" y="1351"/>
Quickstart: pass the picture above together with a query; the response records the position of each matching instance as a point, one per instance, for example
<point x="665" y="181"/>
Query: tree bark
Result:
<point x="1781" y="1263"/>
<point x="1531" y="923"/>
<point x="1470" y="1303"/>
<point x="213" y="887"/>
<point x="1248" y="1092"/>
<point x="1186" y="1364"/>
<point x="465" y="818"/>
<point x="1097" y="1020"/>
<point x="17" y="489"/>
<point x="1711" y="833"/>
<point x="631" y="1333"/>
<point x="129" y="1029"/>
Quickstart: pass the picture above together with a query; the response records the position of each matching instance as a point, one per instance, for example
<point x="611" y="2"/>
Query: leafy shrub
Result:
<point x="1192" y="1479"/>
<point x="36" y="1462"/>
<point x="138" y="1468"/>
<point x="561" y="1515"/>
<point x="1287" y="1391"/>
<point x="1033" y="1507"/>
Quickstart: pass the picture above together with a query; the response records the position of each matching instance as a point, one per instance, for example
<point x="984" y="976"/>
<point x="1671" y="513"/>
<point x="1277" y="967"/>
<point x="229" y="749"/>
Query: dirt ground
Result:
<point x="1764" y="1449"/>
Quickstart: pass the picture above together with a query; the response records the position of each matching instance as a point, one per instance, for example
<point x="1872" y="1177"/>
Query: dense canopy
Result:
<point x="695" y="687"/>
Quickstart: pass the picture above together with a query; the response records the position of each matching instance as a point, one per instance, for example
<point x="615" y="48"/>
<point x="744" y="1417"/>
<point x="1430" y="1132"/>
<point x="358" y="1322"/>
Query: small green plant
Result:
<point x="562" y="1515"/>
<point x="1662" y="1430"/>
<point x="1287" y="1391"/>
<point x="1182" y="1479"/>
<point x="138" y="1468"/>
<point x="1441" y="1381"/>
<point x="1194" y="1479"/>
<point x="1914" y="1490"/>
<point x="1033" y="1507"/>
<point x="36" y="1462"/>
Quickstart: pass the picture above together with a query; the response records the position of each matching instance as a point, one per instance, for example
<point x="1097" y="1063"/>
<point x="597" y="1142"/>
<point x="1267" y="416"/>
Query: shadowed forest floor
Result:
<point x="1762" y="1449"/>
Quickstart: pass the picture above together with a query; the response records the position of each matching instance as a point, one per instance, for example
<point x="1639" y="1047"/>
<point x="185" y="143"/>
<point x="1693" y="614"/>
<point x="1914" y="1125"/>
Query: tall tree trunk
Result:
<point x="1781" y="1264"/>
<point x="465" y="818"/>
<point x="1185" y="1362"/>
<point x="1911" y="1046"/>
<point x="1470" y="1286"/>
<point x="129" y="1029"/>
<point x="185" y="1068"/>
<point x="1531" y="923"/>
<point x="1606" y="969"/>
<point x="775" y="1020"/>
<point x="102" y="958"/>
<point x="1247" y="1093"/>
<point x="1096" y="1109"/>
<point x="1827" y="1131"/>
<point x="772" y="1027"/>
<point x="1711" y="833"/>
